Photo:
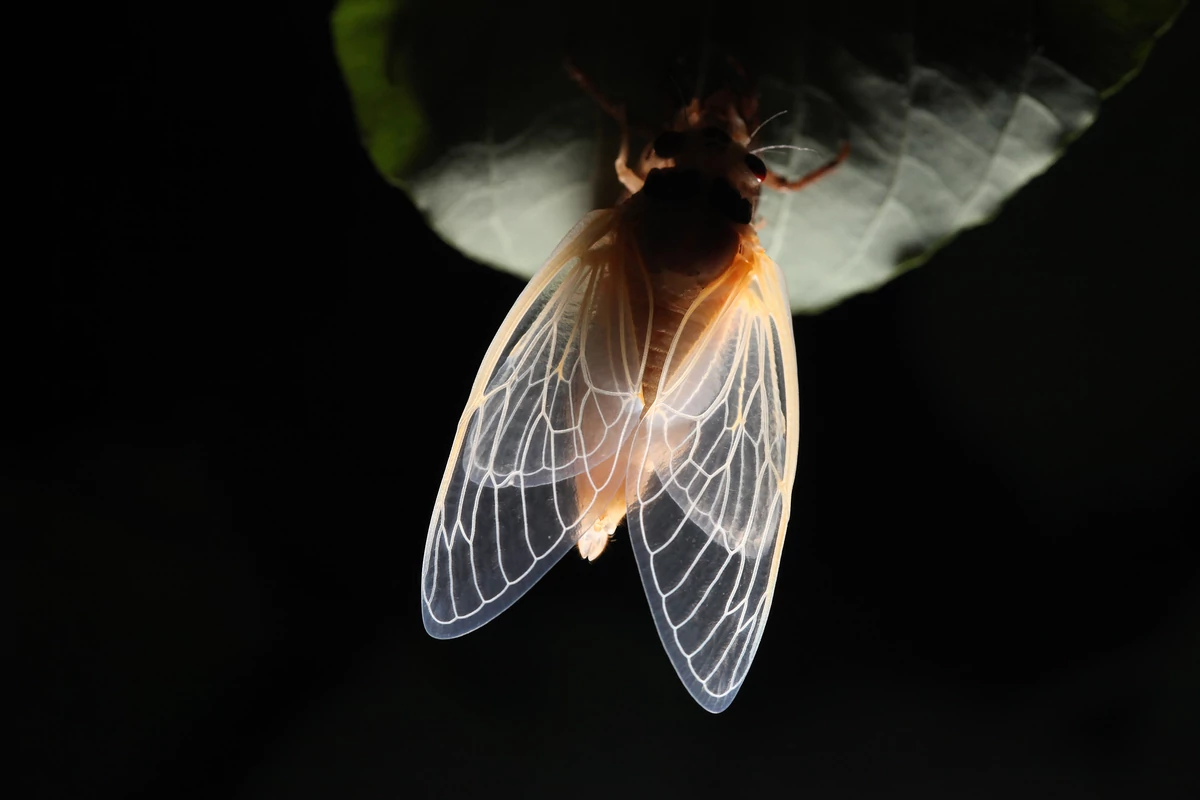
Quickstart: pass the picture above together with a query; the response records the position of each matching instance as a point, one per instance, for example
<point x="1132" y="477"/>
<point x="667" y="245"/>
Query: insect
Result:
<point x="647" y="373"/>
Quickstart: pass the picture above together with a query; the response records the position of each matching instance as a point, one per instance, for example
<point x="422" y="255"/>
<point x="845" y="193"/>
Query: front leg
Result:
<point x="781" y="184"/>
<point x="627" y="175"/>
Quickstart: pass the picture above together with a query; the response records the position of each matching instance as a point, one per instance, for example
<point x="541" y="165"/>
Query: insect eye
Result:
<point x="668" y="144"/>
<point x="756" y="166"/>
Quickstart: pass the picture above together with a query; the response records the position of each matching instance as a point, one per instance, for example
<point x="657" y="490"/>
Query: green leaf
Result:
<point x="949" y="108"/>
<point x="376" y="70"/>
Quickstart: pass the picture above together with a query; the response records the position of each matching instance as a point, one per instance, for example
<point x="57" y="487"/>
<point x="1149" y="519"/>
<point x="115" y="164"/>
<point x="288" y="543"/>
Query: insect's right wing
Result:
<point x="710" y="482"/>
<point x="537" y="456"/>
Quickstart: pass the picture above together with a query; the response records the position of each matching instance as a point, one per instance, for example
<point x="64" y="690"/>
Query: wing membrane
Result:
<point x="709" y="487"/>
<point x="536" y="456"/>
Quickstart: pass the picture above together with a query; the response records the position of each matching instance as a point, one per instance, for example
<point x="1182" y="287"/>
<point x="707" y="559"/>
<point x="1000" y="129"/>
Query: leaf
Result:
<point x="949" y="108"/>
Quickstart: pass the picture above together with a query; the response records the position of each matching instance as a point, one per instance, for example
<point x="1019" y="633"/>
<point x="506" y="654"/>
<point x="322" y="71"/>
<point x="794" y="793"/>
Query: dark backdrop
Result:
<point x="243" y="373"/>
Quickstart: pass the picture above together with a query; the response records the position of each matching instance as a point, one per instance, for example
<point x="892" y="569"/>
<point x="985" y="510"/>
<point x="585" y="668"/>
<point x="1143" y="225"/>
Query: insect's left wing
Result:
<point x="709" y="486"/>
<point x="540" y="448"/>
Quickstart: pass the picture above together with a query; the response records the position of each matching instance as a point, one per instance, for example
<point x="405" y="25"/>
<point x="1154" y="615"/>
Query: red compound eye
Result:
<point x="756" y="166"/>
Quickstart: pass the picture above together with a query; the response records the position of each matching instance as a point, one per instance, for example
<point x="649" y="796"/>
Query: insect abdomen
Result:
<point x="683" y="308"/>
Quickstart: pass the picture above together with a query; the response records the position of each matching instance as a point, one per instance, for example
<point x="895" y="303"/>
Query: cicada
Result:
<point x="647" y="373"/>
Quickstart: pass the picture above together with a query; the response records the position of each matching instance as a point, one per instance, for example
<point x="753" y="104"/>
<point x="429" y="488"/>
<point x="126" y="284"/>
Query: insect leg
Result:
<point x="614" y="110"/>
<point x="626" y="174"/>
<point x="629" y="178"/>
<point x="782" y="184"/>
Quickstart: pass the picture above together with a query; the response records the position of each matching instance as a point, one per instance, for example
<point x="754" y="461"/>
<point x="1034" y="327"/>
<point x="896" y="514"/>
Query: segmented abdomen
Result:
<point x="683" y="309"/>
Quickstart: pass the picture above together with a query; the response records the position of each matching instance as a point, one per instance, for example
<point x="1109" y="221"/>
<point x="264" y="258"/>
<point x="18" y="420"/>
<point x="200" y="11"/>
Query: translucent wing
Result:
<point x="535" y="459"/>
<point x="709" y="485"/>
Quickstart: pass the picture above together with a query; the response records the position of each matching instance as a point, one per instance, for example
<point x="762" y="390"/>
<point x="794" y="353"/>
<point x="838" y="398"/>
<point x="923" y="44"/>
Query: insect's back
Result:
<point x="687" y="233"/>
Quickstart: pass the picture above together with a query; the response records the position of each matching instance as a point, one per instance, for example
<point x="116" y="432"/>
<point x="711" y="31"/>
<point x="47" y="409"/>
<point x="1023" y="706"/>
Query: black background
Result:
<point x="246" y="363"/>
